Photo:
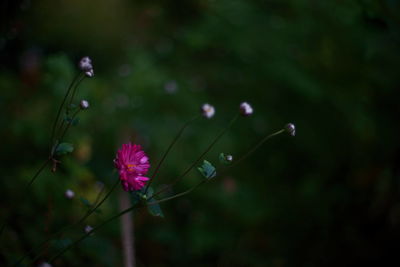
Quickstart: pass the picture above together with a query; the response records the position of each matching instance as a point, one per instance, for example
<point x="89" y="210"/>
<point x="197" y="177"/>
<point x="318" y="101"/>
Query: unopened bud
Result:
<point x="89" y="73"/>
<point x="44" y="264"/>
<point x="225" y="159"/>
<point x="245" y="109"/>
<point x="84" y="104"/>
<point x="88" y="229"/>
<point x="69" y="194"/>
<point x="290" y="129"/>
<point x="207" y="111"/>
<point x="85" y="64"/>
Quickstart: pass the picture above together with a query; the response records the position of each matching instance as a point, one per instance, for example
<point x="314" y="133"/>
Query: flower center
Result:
<point x="130" y="167"/>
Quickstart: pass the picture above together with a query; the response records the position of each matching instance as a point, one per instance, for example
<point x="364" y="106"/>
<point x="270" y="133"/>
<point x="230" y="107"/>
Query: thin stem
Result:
<point x="37" y="174"/>
<point x="71" y="99"/>
<point x="179" y="194"/>
<point x="68" y="125"/>
<point x="168" y="150"/>
<point x="3" y="226"/>
<point x="251" y="151"/>
<point x="60" y="253"/>
<point x="60" y="108"/>
<point x="199" y="158"/>
<point x="88" y="213"/>
<point x="74" y="90"/>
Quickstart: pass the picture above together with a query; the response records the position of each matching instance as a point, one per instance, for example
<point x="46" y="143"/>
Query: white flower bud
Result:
<point x="69" y="194"/>
<point x="89" y="73"/>
<point x="88" y="229"/>
<point x="229" y="158"/>
<point x="85" y="64"/>
<point x="291" y="129"/>
<point x="245" y="109"/>
<point x="207" y="111"/>
<point x="84" y="104"/>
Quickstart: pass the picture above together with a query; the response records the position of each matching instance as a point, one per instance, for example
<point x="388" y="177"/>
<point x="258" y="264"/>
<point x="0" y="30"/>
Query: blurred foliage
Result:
<point x="327" y="197"/>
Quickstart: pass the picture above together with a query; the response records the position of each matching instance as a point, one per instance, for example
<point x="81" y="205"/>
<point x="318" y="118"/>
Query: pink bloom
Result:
<point x="132" y="164"/>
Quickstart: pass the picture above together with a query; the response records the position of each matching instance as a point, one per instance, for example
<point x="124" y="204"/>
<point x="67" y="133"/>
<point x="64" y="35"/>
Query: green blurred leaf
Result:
<point x="155" y="209"/>
<point x="150" y="192"/>
<point x="207" y="170"/>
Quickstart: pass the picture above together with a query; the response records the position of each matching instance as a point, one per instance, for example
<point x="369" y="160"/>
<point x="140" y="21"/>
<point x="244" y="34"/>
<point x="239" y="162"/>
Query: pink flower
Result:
<point x="132" y="164"/>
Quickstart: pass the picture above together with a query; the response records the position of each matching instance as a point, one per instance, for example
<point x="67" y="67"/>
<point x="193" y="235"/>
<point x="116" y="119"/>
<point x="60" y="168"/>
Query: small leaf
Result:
<point x="64" y="148"/>
<point x="207" y="170"/>
<point x="154" y="209"/>
<point x="150" y="192"/>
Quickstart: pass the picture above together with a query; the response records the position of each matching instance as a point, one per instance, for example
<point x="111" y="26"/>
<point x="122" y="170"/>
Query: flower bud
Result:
<point x="290" y="129"/>
<point x="84" y="104"/>
<point x="69" y="194"/>
<point x="225" y="159"/>
<point x="88" y="229"/>
<point x="85" y="64"/>
<point x="89" y="73"/>
<point x="245" y="109"/>
<point x="44" y="264"/>
<point x="207" y="111"/>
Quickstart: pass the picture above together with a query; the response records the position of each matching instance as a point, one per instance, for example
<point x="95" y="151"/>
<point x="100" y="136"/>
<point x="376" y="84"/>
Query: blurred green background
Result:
<point x="328" y="197"/>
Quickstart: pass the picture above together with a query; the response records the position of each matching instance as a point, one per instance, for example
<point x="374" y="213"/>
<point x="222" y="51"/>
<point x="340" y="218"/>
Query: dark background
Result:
<point x="327" y="197"/>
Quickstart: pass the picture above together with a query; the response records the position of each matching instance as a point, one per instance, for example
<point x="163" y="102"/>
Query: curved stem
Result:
<point x="71" y="100"/>
<point x="53" y="131"/>
<point x="67" y="227"/>
<point x="37" y="174"/>
<point x="251" y="151"/>
<point x="69" y="124"/>
<point x="3" y="226"/>
<point x="61" y="252"/>
<point x="74" y="90"/>
<point x="168" y="150"/>
<point x="198" y="159"/>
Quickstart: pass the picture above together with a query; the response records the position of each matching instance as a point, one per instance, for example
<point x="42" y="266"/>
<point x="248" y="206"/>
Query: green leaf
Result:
<point x="207" y="170"/>
<point x="150" y="192"/>
<point x="154" y="209"/>
<point x="64" y="148"/>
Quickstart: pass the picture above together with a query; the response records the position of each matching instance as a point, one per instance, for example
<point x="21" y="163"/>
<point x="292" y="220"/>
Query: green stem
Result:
<point x="53" y="131"/>
<point x="69" y="124"/>
<point x="169" y="149"/>
<point x="251" y="151"/>
<point x="74" y="90"/>
<point x="199" y="158"/>
<point x="60" y="253"/>
<point x="67" y="227"/>
<point x="3" y="226"/>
